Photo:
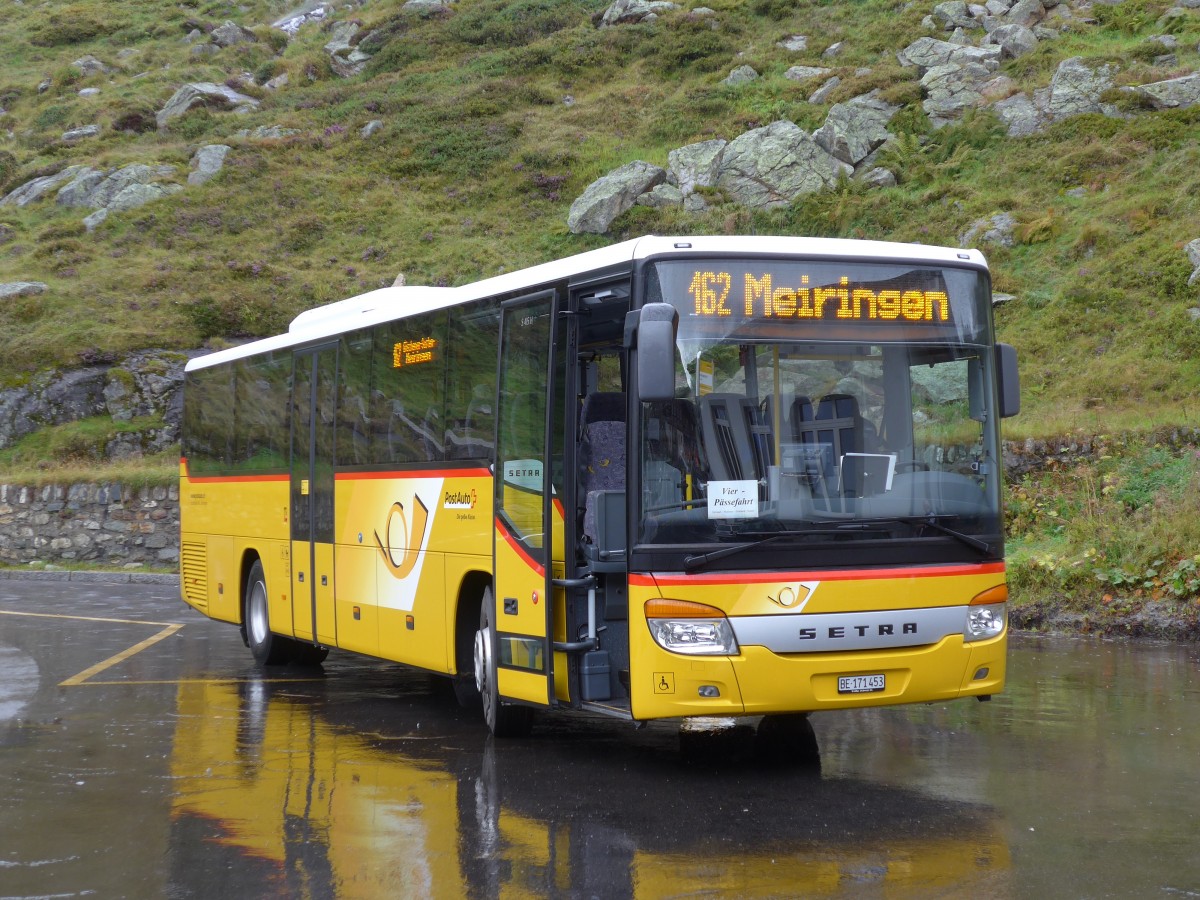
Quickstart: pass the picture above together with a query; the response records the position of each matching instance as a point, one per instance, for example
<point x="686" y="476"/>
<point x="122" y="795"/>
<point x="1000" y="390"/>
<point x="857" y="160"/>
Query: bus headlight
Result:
<point x="985" y="622"/>
<point x="693" y="628"/>
<point x="986" y="614"/>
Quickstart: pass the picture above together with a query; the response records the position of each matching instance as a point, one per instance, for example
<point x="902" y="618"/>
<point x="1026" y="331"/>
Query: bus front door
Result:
<point x="524" y="503"/>
<point x="314" y="393"/>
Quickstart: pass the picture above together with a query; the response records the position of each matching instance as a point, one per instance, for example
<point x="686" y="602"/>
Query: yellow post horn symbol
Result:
<point x="410" y="543"/>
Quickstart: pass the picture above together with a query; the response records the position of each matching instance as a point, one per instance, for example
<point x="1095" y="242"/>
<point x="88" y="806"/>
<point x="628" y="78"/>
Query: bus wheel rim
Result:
<point x="482" y="654"/>
<point x="258" y="616"/>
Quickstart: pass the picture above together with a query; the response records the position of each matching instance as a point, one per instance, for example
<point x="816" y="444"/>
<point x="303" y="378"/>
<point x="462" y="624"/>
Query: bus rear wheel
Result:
<point x="502" y="719"/>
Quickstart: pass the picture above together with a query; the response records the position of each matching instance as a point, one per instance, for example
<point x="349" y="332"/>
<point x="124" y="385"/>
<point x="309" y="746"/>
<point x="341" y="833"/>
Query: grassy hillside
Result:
<point x="498" y="114"/>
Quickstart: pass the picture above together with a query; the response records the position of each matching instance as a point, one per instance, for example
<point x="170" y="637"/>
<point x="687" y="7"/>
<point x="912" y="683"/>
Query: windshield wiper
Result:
<point x="930" y="521"/>
<point x="702" y="559"/>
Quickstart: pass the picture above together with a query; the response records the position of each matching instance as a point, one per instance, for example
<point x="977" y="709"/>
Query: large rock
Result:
<point x="804" y="73"/>
<point x="214" y="96"/>
<point x="773" y="165"/>
<point x="1013" y="40"/>
<point x="661" y="196"/>
<point x="1193" y="253"/>
<point x="855" y="129"/>
<point x="231" y="33"/>
<point x="952" y="89"/>
<point x="145" y="383"/>
<point x="345" y="57"/>
<point x="696" y="165"/>
<point x="89" y="65"/>
<point x="82" y="133"/>
<point x="927" y="52"/>
<point x="1021" y="115"/>
<point x="607" y="197"/>
<point x="39" y="187"/>
<point x="207" y="162"/>
<point x="313" y="11"/>
<point x="12" y="289"/>
<point x="1177" y="93"/>
<point x="135" y="195"/>
<point x="1025" y="12"/>
<point x="954" y="14"/>
<point x="740" y="75"/>
<point x="1076" y="88"/>
<point x="996" y="230"/>
<point x="625" y="12"/>
<point x="96" y="189"/>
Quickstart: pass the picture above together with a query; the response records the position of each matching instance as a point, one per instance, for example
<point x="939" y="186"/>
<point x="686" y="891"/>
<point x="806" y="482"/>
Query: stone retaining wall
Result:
<point x="106" y="524"/>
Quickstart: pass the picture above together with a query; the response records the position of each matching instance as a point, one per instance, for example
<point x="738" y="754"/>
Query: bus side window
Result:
<point x="468" y="425"/>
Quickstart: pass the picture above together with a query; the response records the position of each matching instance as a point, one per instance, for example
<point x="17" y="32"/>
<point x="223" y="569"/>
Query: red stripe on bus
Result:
<point x="241" y="479"/>
<point x="737" y="578"/>
<point x="521" y="551"/>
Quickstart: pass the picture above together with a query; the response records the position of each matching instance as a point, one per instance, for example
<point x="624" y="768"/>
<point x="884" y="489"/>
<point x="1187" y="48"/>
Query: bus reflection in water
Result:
<point x="273" y="800"/>
<point x="669" y="478"/>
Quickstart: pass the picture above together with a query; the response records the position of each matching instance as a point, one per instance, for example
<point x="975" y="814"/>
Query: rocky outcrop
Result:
<point x="856" y="129"/>
<point x="606" y="198"/>
<point x="773" y="165"/>
<point x="102" y="190"/>
<point x="230" y="33"/>
<point x="695" y="166"/>
<point x="10" y="290"/>
<point x="89" y="65"/>
<point x="627" y="12"/>
<point x="952" y="89"/>
<point x="207" y="162"/>
<point x="116" y="189"/>
<point x="40" y="187"/>
<point x="1193" y="254"/>
<point x="1076" y="88"/>
<point x="146" y="383"/>
<point x="1176" y="93"/>
<point x="312" y="12"/>
<point x="345" y="57"/>
<point x="212" y="96"/>
<point x="927" y="52"/>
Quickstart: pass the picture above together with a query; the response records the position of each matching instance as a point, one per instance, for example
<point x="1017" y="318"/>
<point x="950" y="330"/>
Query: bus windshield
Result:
<point x="823" y="405"/>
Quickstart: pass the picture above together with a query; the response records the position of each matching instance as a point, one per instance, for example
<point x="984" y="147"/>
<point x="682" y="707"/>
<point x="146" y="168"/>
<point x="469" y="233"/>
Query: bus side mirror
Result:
<point x="656" y="327"/>
<point x="1008" y="381"/>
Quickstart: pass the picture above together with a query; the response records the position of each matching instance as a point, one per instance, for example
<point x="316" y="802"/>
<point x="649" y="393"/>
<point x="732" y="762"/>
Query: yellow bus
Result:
<point x="674" y="477"/>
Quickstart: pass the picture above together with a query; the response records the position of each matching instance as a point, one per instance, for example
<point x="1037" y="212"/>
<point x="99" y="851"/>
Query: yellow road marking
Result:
<point x="14" y="612"/>
<point x="203" y="681"/>
<point x="120" y="657"/>
<point x="169" y="629"/>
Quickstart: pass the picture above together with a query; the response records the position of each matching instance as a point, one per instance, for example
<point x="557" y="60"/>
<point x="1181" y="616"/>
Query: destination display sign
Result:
<point x="718" y="293"/>
<point x="780" y="299"/>
<point x="415" y="352"/>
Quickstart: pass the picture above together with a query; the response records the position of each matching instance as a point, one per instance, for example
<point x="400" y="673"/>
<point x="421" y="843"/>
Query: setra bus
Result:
<point x="674" y="477"/>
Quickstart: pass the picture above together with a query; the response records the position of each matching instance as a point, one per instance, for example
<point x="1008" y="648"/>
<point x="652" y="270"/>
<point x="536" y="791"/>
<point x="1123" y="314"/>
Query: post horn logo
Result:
<point x="403" y="544"/>
<point x="795" y="598"/>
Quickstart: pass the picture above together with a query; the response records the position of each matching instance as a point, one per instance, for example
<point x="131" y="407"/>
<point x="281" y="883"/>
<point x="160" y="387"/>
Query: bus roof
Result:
<point x="385" y="304"/>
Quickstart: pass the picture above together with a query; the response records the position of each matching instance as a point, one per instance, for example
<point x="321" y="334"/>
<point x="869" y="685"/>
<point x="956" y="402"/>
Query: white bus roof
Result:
<point x="385" y="304"/>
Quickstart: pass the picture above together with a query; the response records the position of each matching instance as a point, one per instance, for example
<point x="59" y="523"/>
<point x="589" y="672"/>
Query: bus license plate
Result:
<point x="860" y="684"/>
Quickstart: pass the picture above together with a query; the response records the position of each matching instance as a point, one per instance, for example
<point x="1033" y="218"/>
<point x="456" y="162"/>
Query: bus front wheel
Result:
<point x="502" y="720"/>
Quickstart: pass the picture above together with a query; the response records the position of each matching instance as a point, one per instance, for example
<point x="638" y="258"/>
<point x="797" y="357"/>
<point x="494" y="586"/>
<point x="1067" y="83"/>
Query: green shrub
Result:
<point x="686" y="45"/>
<point x="74" y="24"/>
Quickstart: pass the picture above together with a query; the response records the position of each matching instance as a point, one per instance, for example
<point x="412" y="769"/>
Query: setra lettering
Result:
<point x="838" y="632"/>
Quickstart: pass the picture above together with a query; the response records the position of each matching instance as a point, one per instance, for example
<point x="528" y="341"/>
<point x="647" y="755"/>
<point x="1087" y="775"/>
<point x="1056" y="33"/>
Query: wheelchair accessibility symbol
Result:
<point x="664" y="682"/>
